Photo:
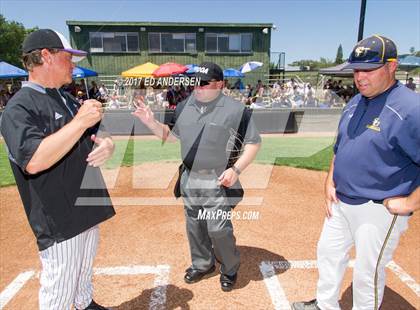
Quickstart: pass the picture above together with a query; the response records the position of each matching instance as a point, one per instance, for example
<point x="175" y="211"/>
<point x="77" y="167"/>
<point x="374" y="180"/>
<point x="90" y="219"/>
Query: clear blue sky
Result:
<point x="305" y="29"/>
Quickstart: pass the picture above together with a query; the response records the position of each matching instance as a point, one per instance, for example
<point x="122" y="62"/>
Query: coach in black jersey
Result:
<point x="55" y="149"/>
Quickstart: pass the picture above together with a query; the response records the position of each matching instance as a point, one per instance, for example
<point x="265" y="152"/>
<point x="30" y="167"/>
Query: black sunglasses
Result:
<point x="205" y="83"/>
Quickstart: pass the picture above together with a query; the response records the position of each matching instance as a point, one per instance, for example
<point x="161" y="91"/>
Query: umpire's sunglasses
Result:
<point x="205" y="83"/>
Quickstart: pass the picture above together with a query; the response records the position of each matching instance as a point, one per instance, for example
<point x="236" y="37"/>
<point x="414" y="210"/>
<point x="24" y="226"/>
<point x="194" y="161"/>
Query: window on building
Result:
<point x="114" y="42"/>
<point x="172" y="42"/>
<point x="228" y="42"/>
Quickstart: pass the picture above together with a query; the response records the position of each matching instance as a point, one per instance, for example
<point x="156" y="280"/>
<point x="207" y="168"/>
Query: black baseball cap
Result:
<point x="208" y="71"/>
<point x="372" y="53"/>
<point x="48" y="38"/>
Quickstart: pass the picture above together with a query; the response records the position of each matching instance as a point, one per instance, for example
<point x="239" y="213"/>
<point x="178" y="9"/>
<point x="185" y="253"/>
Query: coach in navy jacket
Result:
<point x="373" y="183"/>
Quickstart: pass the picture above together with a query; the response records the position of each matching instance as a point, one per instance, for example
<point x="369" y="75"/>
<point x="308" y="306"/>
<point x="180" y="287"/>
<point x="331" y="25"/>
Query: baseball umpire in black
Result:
<point x="50" y="139"/>
<point x="218" y="141"/>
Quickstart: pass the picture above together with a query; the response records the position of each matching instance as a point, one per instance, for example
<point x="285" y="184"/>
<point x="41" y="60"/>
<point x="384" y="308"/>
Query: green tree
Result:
<point x="11" y="37"/>
<point x="339" y="57"/>
<point x="313" y="64"/>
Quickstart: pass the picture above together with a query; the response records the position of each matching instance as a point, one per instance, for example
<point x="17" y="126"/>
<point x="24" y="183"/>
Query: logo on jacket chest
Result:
<point x="375" y="125"/>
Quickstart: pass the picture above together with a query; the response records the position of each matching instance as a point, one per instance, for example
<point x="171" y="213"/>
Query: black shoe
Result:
<point x="228" y="282"/>
<point x="194" y="275"/>
<point x="94" y="306"/>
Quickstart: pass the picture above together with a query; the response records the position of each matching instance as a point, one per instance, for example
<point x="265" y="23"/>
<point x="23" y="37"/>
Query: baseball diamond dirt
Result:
<point x="143" y="251"/>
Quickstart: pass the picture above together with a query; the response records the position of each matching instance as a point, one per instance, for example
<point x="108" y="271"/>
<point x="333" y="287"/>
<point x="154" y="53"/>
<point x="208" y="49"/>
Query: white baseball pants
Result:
<point x="66" y="276"/>
<point x="365" y="226"/>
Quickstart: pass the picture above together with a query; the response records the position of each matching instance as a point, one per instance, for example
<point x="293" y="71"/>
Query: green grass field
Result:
<point x="310" y="153"/>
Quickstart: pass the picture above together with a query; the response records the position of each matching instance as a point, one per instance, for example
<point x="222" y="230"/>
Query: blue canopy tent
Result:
<point x="230" y="73"/>
<point x="7" y="71"/>
<point x="80" y="72"/>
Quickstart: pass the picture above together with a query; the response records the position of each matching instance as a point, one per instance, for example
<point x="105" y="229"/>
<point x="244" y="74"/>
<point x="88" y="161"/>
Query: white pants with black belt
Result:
<point x="365" y="226"/>
<point x="66" y="276"/>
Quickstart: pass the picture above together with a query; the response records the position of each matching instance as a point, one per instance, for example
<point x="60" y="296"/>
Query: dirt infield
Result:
<point x="143" y="250"/>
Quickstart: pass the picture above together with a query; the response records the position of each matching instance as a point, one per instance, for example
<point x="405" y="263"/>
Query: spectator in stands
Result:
<point x="238" y="85"/>
<point x="411" y="85"/>
<point x="14" y="88"/>
<point x="171" y="98"/>
<point x="103" y="92"/>
<point x="82" y="86"/>
<point x="4" y="97"/>
<point x="160" y="99"/>
<point x="71" y="88"/>
<point x="189" y="90"/>
<point x="258" y="104"/>
<point x="326" y="96"/>
<point x="260" y="92"/>
<point x="297" y="99"/>
<point x="182" y="93"/>
<point x="291" y="84"/>
<point x="81" y="97"/>
<point x="94" y="91"/>
<point x="113" y="103"/>
<point x="348" y="93"/>
<point x="336" y="86"/>
<point x="310" y="100"/>
<point x="276" y="89"/>
<point x="257" y="87"/>
<point x="150" y="99"/>
<point x="250" y="90"/>
<point x="226" y="84"/>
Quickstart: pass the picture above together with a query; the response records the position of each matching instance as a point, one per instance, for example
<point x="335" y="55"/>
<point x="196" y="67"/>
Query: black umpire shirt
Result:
<point x="49" y="197"/>
<point x="212" y="134"/>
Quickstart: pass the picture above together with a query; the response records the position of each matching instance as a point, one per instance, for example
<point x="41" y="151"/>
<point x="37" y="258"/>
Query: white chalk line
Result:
<point x="157" y="300"/>
<point x="405" y="277"/>
<point x="158" y="297"/>
<point x="276" y="291"/>
<point x="14" y="287"/>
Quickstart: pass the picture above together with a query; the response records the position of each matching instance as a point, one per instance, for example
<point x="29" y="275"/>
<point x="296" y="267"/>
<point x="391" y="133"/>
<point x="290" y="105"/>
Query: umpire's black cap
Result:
<point x="208" y="71"/>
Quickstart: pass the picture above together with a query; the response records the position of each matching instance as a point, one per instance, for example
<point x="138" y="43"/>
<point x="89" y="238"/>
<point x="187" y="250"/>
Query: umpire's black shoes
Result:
<point x="306" y="305"/>
<point x="227" y="282"/>
<point x="94" y="306"/>
<point x="194" y="275"/>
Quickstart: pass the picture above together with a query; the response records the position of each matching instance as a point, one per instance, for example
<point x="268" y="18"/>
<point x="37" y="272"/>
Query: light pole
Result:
<point x="361" y="20"/>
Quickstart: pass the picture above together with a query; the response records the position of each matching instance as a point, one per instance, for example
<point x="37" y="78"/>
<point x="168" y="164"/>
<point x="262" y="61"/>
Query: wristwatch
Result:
<point x="236" y="169"/>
